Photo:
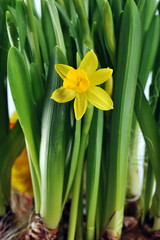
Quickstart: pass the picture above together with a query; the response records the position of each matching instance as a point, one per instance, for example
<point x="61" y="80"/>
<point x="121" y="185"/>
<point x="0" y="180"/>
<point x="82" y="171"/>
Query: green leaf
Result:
<point x="149" y="129"/>
<point x="48" y="28"/>
<point x="21" y="23"/>
<point x="53" y="148"/>
<point x="37" y="87"/>
<point x="148" y="13"/>
<point x="149" y="50"/>
<point x="124" y="93"/>
<point x="42" y="42"/>
<point x="12" y="30"/>
<point x="20" y="84"/>
<point x="56" y="24"/>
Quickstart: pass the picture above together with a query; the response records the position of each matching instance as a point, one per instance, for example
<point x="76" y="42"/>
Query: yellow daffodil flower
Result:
<point x="80" y="84"/>
<point x="20" y="175"/>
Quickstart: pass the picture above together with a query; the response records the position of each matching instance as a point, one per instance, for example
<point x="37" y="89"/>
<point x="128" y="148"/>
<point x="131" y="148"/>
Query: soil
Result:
<point x="22" y="211"/>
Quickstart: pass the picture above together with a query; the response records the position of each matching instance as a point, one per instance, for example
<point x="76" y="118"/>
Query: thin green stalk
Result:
<point x="147" y="193"/>
<point x="78" y="175"/>
<point x="93" y="171"/>
<point x="79" y="226"/>
<point x="74" y="161"/>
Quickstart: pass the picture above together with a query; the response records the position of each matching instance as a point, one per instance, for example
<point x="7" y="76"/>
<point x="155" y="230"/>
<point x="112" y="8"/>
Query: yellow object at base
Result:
<point x="20" y="176"/>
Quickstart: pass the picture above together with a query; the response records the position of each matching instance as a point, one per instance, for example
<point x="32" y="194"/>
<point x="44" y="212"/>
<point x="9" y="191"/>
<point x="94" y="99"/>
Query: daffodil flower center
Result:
<point x="76" y="80"/>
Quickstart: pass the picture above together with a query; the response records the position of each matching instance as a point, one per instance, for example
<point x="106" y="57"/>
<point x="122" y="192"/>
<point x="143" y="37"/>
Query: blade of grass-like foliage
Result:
<point x="141" y="5"/>
<point x="53" y="148"/>
<point x="125" y="81"/>
<point x="12" y="30"/>
<point x="21" y="23"/>
<point x="10" y="148"/>
<point x="149" y="50"/>
<point x="84" y="23"/>
<point x="56" y="24"/>
<point x="152" y="138"/>
<point x="33" y="37"/>
<point x="147" y="14"/>
<point x="42" y="42"/>
<point x="116" y="6"/>
<point x="4" y="45"/>
<point x="86" y="7"/>
<point x="70" y="25"/>
<point x="37" y="88"/>
<point x="48" y="28"/>
<point x="93" y="171"/>
<point x="100" y="5"/>
<point x="20" y="84"/>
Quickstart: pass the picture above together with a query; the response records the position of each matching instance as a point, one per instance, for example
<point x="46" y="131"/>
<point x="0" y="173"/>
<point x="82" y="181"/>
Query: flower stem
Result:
<point x="77" y="182"/>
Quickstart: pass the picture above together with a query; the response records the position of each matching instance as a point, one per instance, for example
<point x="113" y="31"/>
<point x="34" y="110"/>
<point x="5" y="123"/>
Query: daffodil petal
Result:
<point x="89" y="63"/>
<point x="80" y="105"/>
<point x="100" y="76"/>
<point x="63" y="95"/>
<point x="62" y="70"/>
<point x="99" y="98"/>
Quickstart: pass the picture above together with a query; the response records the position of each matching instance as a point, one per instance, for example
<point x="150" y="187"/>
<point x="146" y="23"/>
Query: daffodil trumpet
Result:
<point x="81" y="84"/>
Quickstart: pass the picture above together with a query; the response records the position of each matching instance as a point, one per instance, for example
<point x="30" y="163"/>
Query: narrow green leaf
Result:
<point x="20" y="84"/>
<point x="33" y="37"/>
<point x="149" y="50"/>
<point x="42" y="42"/>
<point x="53" y="148"/>
<point x="124" y="93"/>
<point x="21" y="23"/>
<point x="37" y="87"/>
<point x="48" y="28"/>
<point x="151" y="134"/>
<point x="148" y="13"/>
<point x="12" y="30"/>
<point x="56" y="24"/>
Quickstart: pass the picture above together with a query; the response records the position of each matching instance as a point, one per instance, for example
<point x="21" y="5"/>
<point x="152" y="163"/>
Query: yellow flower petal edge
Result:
<point x="80" y="106"/>
<point x="80" y="84"/>
<point x="63" y="95"/>
<point x="99" y="98"/>
<point x="89" y="63"/>
<point x="62" y="70"/>
<point x="101" y="76"/>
